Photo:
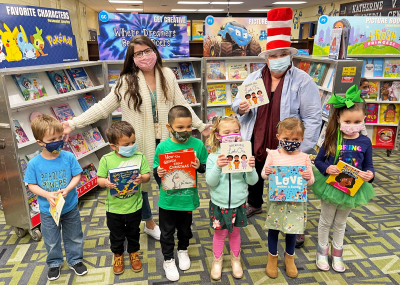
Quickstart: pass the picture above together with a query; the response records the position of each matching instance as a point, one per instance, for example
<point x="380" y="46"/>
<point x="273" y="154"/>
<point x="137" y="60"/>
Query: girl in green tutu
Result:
<point x="344" y="142"/>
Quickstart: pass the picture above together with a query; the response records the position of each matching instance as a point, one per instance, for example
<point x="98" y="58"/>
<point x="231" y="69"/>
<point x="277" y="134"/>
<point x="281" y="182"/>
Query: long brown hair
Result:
<point x="130" y="72"/>
<point x="331" y="136"/>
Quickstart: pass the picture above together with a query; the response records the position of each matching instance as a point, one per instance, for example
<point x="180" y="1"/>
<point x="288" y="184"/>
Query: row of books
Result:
<point x="384" y="91"/>
<point x="81" y="143"/>
<point x="316" y="70"/>
<point x="214" y="112"/>
<point x="184" y="70"/>
<point x="379" y="67"/>
<point x="216" y="70"/>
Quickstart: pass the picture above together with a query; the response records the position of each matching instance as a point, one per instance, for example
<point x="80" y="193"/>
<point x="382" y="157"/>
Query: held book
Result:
<point x="123" y="178"/>
<point x="56" y="211"/>
<point x="286" y="184"/>
<point x="348" y="180"/>
<point x="238" y="154"/>
<point x="216" y="70"/>
<point x="254" y="93"/>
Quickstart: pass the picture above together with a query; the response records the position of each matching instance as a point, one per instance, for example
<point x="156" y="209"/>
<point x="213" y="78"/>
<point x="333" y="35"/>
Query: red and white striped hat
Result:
<point x="279" y="30"/>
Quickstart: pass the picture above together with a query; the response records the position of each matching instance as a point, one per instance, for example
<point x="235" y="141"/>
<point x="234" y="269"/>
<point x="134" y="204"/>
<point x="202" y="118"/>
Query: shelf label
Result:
<point x="349" y="70"/>
<point x="347" y="79"/>
<point x="87" y="186"/>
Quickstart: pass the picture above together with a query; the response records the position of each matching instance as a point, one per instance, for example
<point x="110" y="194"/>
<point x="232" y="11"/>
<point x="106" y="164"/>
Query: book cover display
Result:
<point x="372" y="113"/>
<point x="87" y="101"/>
<point x="24" y="165"/>
<point x="348" y="180"/>
<point x="318" y="72"/>
<point x="254" y="93"/>
<point x="78" y="144"/>
<point x="188" y="93"/>
<point x="186" y="69"/>
<point x="389" y="114"/>
<point x="286" y="184"/>
<point x="62" y="112"/>
<point x="383" y="137"/>
<point x="372" y="67"/>
<point x="326" y="108"/>
<point x="392" y="67"/>
<point x="216" y="70"/>
<point x="20" y="133"/>
<point x="30" y="86"/>
<point x="60" y="81"/>
<point x="213" y="114"/>
<point x="177" y="72"/>
<point x="238" y="154"/>
<point x="304" y="65"/>
<point x="67" y="147"/>
<point x="234" y="90"/>
<point x="113" y="75"/>
<point x="373" y="91"/>
<point x="229" y="112"/>
<point x="89" y="172"/>
<point x="32" y="200"/>
<point x="389" y="91"/>
<point x="123" y="178"/>
<point x="79" y="78"/>
<point x="256" y="66"/>
<point x="216" y="94"/>
<point x="237" y="71"/>
<point x="322" y="135"/>
<point x="55" y="212"/>
<point x="334" y="48"/>
<point x="96" y="137"/>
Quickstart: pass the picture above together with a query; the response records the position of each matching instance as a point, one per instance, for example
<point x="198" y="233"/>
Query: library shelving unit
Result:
<point x="13" y="107"/>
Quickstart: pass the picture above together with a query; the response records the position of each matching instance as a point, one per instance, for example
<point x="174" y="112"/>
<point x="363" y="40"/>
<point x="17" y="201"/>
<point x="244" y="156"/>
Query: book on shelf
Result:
<point x="286" y="184"/>
<point x="216" y="70"/>
<point x="321" y="138"/>
<point x="30" y="86"/>
<point x="238" y="154"/>
<point x="186" y="69"/>
<point x="304" y="65"/>
<point x="29" y="156"/>
<point x="32" y="200"/>
<point x="78" y="144"/>
<point x="79" y="78"/>
<point x="372" y="113"/>
<point x="344" y="43"/>
<point x="88" y="172"/>
<point x="237" y="71"/>
<point x="20" y="133"/>
<point x="229" y="112"/>
<point x="116" y="119"/>
<point x="188" y="92"/>
<point x="326" y="107"/>
<point x="89" y="140"/>
<point x="390" y="91"/>
<point x="87" y="101"/>
<point x="372" y="67"/>
<point x="373" y="91"/>
<point x="389" y="114"/>
<point x="216" y="94"/>
<point x="113" y="75"/>
<point x="123" y="178"/>
<point x="180" y="172"/>
<point x="391" y="67"/>
<point x="331" y="77"/>
<point x="334" y="48"/>
<point x="60" y="81"/>
<point x="254" y="93"/>
<point x="24" y="165"/>
<point x="62" y="112"/>
<point x="383" y="137"/>
<point x="395" y="92"/>
<point x="318" y="72"/>
<point x="95" y="137"/>
<point x="234" y="90"/>
<point x="55" y="211"/>
<point x="348" y="180"/>
<point x="67" y="147"/>
<point x="213" y="113"/>
<point x="177" y="72"/>
<point x="256" y="66"/>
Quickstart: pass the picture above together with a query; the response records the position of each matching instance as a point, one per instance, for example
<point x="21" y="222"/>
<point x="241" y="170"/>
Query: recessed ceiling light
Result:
<point x="128" y="9"/>
<point x="226" y="3"/>
<point x="125" y="2"/>
<point x="259" y="10"/>
<point x="210" y="10"/>
<point x="183" y="10"/>
<point x="193" y="2"/>
<point x="289" y="2"/>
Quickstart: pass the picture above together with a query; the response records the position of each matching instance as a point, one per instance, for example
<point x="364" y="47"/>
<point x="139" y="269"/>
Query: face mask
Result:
<point x="230" y="138"/>
<point x="351" y="129"/>
<point x="127" y="151"/>
<point x="289" y="146"/>
<point x="146" y="62"/>
<point x="279" y="65"/>
<point x="364" y="91"/>
<point x="181" y="136"/>
<point x="54" y="147"/>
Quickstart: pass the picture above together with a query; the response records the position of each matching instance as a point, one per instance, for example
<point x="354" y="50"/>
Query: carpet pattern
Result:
<point x="372" y="244"/>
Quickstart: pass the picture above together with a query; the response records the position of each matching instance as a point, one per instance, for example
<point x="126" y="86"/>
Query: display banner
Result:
<point x="168" y="33"/>
<point x="35" y="36"/>
<point x="234" y="36"/>
<point x="367" y="35"/>
<point x="389" y="8"/>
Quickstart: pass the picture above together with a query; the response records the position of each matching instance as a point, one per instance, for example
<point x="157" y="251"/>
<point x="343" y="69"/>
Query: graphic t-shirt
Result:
<point x="182" y="199"/>
<point x="129" y="203"/>
<point x="52" y="176"/>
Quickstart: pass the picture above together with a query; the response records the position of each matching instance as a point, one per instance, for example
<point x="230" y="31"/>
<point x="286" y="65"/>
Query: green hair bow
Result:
<point x="352" y="96"/>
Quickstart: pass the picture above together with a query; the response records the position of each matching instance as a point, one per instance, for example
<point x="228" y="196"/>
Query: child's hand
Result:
<point x="51" y="198"/>
<point x="138" y="180"/>
<point x="252" y="161"/>
<point x="267" y="170"/>
<point x="332" y="170"/>
<point x="196" y="163"/>
<point x="222" y="160"/>
<point x="366" y="175"/>
<point x="64" y="192"/>
<point x="306" y="174"/>
<point x="109" y="184"/>
<point x="161" y="171"/>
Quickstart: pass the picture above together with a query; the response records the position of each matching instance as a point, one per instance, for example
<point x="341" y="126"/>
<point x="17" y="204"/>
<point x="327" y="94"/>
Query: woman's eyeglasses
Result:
<point x="140" y="54"/>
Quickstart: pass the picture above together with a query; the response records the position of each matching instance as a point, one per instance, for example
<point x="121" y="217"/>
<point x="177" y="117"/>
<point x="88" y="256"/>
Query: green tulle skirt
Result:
<point x="330" y="194"/>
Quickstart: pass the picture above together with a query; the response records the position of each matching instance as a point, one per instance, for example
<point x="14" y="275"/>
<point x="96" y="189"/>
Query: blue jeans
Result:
<point x="146" y="211"/>
<point x="71" y="234"/>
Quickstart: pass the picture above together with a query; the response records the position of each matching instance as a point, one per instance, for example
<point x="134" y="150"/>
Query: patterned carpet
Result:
<point x="372" y="245"/>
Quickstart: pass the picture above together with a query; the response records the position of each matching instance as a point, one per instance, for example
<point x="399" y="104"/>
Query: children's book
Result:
<point x="237" y="71"/>
<point x="383" y="137"/>
<point x="29" y="156"/>
<point x="187" y="70"/>
<point x="32" y="200"/>
<point x="24" y="165"/>
<point x="334" y="48"/>
<point x="321" y="138"/>
<point x="229" y="112"/>
<point x="30" y="86"/>
<point x="326" y="108"/>
<point x="254" y="93"/>
<point x="20" y="133"/>
<point x="256" y="66"/>
<point x="79" y="78"/>
<point x="213" y="113"/>
<point x="372" y="67"/>
<point x="188" y="93"/>
<point x="238" y="154"/>
<point x="89" y="140"/>
<point x="348" y="180"/>
<point x="395" y="92"/>
<point x="391" y="67"/>
<point x="304" y="65"/>
<point x="373" y="91"/>
<point x="286" y="184"/>
<point x="60" y="81"/>
<point x="177" y="72"/>
<point x="116" y="119"/>
<point x="113" y="75"/>
<point x="388" y="91"/>
<point x="123" y="178"/>
<point x="372" y="113"/>
<point x="78" y="145"/>
<point x="87" y="101"/>
<point x="96" y="137"/>
<point x="88" y="172"/>
<point x="318" y="72"/>
<point x="180" y="172"/>
<point x="62" y="112"/>
<point x="56" y="211"/>
<point x="389" y="114"/>
<point x="67" y="147"/>
<point x="234" y="90"/>
<point x="216" y="70"/>
<point x="344" y="43"/>
<point x="216" y="94"/>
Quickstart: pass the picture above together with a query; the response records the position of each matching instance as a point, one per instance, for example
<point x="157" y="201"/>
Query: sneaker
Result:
<point x="53" y="273"/>
<point x="170" y="270"/>
<point x="154" y="233"/>
<point x="300" y="241"/>
<point x="250" y="211"/>
<point x="184" y="259"/>
<point x="79" y="268"/>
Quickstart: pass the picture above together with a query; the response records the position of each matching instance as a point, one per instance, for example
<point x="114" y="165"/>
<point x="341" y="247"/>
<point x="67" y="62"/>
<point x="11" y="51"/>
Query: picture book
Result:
<point x="79" y="78"/>
<point x="123" y="178"/>
<point x="20" y="133"/>
<point x="286" y="184"/>
<point x="29" y="156"/>
<point x="116" y="119"/>
<point x="395" y="92"/>
<point x="87" y="101"/>
<point x="88" y="172"/>
<point x="388" y="89"/>
<point x="96" y="137"/>
<point x="321" y="138"/>
<point x="188" y="93"/>
<point x="30" y="86"/>
<point x="89" y="140"/>
<point x="372" y="67"/>
<point x="78" y="144"/>
<point x="391" y="67"/>
<point x="234" y="90"/>
<point x="326" y="107"/>
<point x="344" y="43"/>
<point x="383" y="137"/>
<point x="216" y="70"/>
<point x="347" y="180"/>
<point x="318" y="72"/>
<point x="216" y="94"/>
<point x="372" y="113"/>
<point x="373" y="91"/>
<point x="238" y="154"/>
<point x="254" y="93"/>
<point x="334" y="49"/>
<point x="229" y="112"/>
<point x="60" y="81"/>
<point x="67" y="147"/>
<point x="176" y="71"/>
<point x="62" y="112"/>
<point x="237" y="71"/>
<point x="113" y="75"/>
<point x="187" y="70"/>
<point x="24" y="165"/>
<point x="389" y="114"/>
<point x="256" y="66"/>
<point x="32" y="200"/>
<point x="56" y="211"/>
<point x="180" y="172"/>
<point x="213" y="114"/>
<point x="304" y="65"/>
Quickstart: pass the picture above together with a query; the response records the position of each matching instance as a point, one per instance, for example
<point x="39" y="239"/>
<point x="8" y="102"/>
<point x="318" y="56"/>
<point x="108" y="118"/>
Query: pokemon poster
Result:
<point x="35" y="36"/>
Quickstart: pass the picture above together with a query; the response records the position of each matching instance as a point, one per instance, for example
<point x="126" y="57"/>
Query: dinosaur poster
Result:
<point x="238" y="154"/>
<point x="32" y="35"/>
<point x="286" y="184"/>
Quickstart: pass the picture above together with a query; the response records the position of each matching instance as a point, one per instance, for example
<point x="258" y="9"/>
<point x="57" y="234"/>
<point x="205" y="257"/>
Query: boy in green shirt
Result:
<point x="124" y="212"/>
<point x="176" y="206"/>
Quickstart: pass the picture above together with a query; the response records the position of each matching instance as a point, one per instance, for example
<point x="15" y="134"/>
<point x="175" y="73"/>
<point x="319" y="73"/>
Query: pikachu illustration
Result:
<point x="9" y="40"/>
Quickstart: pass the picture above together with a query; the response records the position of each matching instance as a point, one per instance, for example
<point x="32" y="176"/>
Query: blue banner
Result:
<point x="35" y="36"/>
<point x="168" y="33"/>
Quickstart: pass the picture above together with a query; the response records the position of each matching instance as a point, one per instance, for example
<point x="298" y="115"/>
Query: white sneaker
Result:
<point x="154" y="233"/>
<point x="184" y="259"/>
<point x="170" y="270"/>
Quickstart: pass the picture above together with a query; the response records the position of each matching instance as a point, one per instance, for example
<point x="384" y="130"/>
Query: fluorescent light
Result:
<point x="210" y="10"/>
<point x="128" y="9"/>
<point x="125" y="2"/>
<point x="289" y="2"/>
<point x="259" y="10"/>
<point x="183" y="10"/>
<point x="193" y="2"/>
<point x="226" y="3"/>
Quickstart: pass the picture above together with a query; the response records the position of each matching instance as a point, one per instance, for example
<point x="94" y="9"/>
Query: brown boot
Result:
<point x="236" y="264"/>
<point x="135" y="261"/>
<point x="216" y="268"/>
<point x="272" y="266"/>
<point x="291" y="269"/>
<point x="118" y="264"/>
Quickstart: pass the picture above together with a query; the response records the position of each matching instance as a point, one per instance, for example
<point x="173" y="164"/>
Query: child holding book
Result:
<point x="344" y="142"/>
<point x="286" y="217"/>
<point x="228" y="196"/>
<point x="124" y="212"/>
<point x="176" y="206"/>
<point x="49" y="174"/>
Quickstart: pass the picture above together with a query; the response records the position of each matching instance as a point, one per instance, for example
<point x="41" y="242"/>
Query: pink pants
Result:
<point x="219" y="241"/>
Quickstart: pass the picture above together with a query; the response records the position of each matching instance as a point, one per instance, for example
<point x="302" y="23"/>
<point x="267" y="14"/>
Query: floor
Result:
<point x="372" y="244"/>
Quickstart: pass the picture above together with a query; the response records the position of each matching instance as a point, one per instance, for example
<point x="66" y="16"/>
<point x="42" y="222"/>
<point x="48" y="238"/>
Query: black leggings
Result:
<point x="273" y="236"/>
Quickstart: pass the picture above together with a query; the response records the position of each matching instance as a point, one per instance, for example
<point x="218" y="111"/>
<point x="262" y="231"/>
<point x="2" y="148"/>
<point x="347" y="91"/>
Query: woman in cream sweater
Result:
<point x="145" y="91"/>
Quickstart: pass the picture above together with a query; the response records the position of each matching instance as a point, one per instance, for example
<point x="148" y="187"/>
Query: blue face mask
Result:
<point x="289" y="146"/>
<point x="54" y="147"/>
<point x="279" y="65"/>
<point x="127" y="151"/>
